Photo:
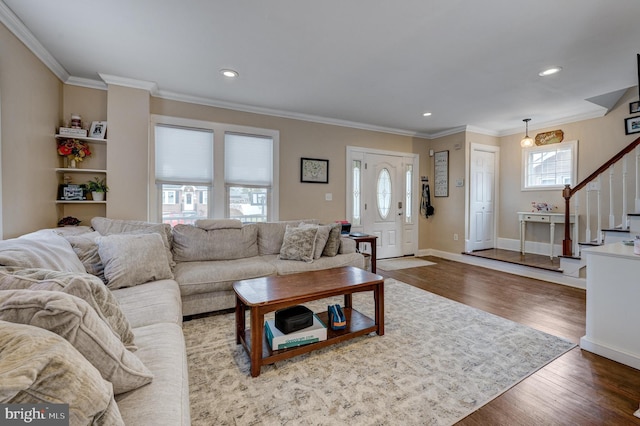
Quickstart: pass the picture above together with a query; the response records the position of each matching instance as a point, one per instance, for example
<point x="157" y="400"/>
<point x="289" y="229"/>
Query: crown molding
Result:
<point x="447" y="132"/>
<point x="564" y="120"/>
<point x="482" y="131"/>
<point x="15" y="25"/>
<point x="164" y="94"/>
<point x="150" y="86"/>
<point x="86" y="82"/>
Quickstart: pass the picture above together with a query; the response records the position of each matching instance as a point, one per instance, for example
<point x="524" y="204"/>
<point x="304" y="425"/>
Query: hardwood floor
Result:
<point x="578" y="388"/>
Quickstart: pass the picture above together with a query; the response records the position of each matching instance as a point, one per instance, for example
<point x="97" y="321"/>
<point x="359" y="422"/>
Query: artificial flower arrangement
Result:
<point x="542" y="207"/>
<point x="69" y="221"/>
<point x="74" y="149"/>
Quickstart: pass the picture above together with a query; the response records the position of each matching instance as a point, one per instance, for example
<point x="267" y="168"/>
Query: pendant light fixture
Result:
<point x="527" y="141"/>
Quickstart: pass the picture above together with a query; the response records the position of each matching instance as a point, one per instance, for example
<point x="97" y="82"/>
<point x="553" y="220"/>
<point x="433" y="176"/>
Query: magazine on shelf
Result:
<point x="278" y="340"/>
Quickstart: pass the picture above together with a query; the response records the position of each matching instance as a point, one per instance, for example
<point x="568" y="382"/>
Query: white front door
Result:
<point x="384" y="196"/>
<point x="482" y="221"/>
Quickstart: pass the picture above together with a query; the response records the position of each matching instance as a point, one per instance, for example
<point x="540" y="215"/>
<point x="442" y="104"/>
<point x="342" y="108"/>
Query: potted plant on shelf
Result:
<point x="98" y="187"/>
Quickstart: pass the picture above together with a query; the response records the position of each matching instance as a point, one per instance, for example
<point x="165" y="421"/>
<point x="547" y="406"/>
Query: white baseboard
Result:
<point x="524" y="271"/>
<point x="632" y="360"/>
<point x="529" y="246"/>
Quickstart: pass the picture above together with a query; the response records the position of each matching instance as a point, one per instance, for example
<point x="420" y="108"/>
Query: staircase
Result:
<point x="607" y="189"/>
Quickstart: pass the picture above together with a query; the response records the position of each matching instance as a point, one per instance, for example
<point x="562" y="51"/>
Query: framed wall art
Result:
<point x="441" y="186"/>
<point x="632" y="125"/>
<point x="634" y="107"/>
<point x="314" y="170"/>
<point x="71" y="192"/>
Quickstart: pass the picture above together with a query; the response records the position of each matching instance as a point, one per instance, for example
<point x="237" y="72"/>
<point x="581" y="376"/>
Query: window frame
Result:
<point x="572" y="145"/>
<point x="217" y="199"/>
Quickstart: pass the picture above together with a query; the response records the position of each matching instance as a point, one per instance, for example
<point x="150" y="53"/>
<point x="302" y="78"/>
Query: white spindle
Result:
<point x="587" y="232"/>
<point x="599" y="222"/>
<point x="576" y="228"/>
<point x="625" y="224"/>
<point x="637" y="203"/>
<point x="612" y="219"/>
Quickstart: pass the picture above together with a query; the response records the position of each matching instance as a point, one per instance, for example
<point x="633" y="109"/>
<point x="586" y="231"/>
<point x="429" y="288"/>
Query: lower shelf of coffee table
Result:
<point x="358" y="324"/>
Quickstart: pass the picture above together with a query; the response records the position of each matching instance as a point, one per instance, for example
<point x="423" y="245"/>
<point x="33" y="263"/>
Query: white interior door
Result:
<point x="482" y="233"/>
<point x="384" y="195"/>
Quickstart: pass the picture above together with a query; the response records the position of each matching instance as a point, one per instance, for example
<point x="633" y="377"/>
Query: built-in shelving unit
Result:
<point x="82" y="209"/>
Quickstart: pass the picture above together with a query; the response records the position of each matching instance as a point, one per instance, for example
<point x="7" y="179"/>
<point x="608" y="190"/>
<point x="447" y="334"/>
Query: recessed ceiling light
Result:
<point x="550" y="71"/>
<point x="229" y="73"/>
<point x="426" y="114"/>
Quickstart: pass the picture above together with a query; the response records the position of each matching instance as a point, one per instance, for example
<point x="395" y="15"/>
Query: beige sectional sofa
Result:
<point x="210" y="257"/>
<point x="106" y="304"/>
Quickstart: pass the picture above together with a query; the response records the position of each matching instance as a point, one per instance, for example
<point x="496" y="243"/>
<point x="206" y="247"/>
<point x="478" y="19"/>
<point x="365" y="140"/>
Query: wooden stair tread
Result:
<point x="625" y="230"/>
<point x="590" y="243"/>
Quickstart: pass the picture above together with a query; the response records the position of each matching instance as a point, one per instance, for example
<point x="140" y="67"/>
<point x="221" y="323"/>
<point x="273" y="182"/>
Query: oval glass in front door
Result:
<point x="384" y="193"/>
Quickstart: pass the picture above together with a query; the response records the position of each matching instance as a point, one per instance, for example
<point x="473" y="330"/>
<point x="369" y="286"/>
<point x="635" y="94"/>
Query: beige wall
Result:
<point x="31" y="108"/>
<point x="598" y="140"/>
<point x="448" y="218"/>
<point x="128" y="152"/>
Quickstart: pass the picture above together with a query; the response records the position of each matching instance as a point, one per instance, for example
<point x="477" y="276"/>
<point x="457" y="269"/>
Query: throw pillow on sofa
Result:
<point x="41" y="249"/>
<point x="74" y="320"/>
<point x="86" y="248"/>
<point x="192" y="244"/>
<point x="40" y="367"/>
<point x="321" y="238"/>
<point x="333" y="242"/>
<point x="132" y="259"/>
<point x="271" y="234"/>
<point x="299" y="244"/>
<point x="106" y="227"/>
<point x="85" y="286"/>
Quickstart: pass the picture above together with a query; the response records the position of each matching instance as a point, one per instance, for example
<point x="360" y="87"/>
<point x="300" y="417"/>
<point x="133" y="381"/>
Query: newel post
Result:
<point x="566" y="243"/>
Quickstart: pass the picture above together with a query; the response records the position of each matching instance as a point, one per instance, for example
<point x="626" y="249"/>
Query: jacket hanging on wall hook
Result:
<point x="425" y="204"/>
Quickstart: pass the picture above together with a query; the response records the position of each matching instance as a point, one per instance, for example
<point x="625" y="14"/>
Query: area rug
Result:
<point x="437" y="362"/>
<point x="402" y="263"/>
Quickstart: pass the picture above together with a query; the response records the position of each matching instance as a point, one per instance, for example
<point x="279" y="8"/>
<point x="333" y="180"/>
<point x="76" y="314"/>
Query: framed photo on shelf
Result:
<point x="631" y="125"/>
<point x="98" y="129"/>
<point x="314" y="170"/>
<point x="71" y="192"/>
<point x="634" y="107"/>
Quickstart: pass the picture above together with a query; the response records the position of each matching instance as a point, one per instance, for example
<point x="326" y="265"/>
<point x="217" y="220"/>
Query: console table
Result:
<point x="545" y="217"/>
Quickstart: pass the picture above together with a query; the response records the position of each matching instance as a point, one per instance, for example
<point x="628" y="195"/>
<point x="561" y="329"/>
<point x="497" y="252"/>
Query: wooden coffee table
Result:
<point x="268" y="294"/>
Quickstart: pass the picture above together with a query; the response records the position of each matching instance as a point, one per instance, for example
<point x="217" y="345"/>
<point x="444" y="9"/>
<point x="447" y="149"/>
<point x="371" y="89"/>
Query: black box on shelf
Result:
<point x="293" y="319"/>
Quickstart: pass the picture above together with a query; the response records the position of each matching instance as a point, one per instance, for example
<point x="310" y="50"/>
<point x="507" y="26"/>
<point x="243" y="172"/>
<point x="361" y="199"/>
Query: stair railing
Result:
<point x="569" y="192"/>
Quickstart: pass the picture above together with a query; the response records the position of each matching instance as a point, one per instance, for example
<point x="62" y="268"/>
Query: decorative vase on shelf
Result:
<point x="97" y="196"/>
<point x="73" y="164"/>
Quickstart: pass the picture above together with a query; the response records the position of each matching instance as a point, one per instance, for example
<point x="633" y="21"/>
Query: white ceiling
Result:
<point x="367" y="63"/>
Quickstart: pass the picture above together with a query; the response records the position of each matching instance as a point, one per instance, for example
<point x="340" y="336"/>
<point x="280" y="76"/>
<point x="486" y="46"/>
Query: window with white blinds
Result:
<point x="248" y="159"/>
<point x="212" y="170"/>
<point x="183" y="155"/>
